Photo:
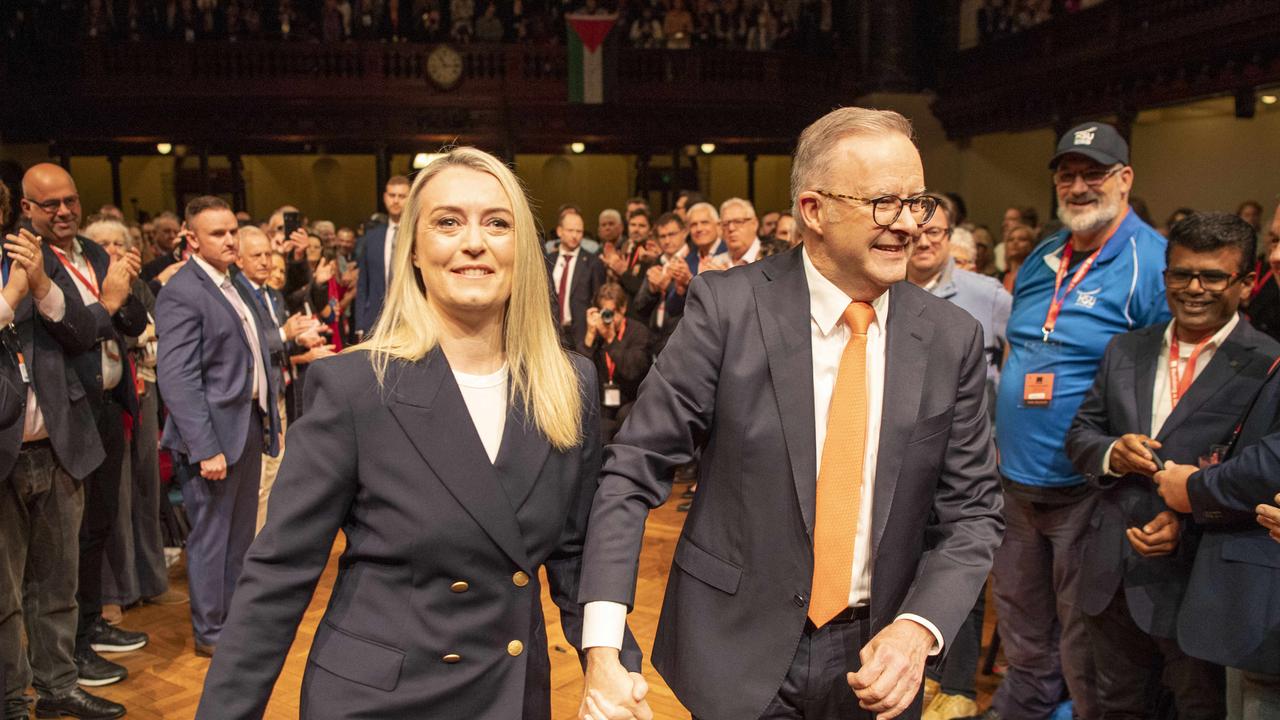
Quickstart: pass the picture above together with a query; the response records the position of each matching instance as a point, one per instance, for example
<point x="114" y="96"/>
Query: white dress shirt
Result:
<point x="564" y="263"/>
<point x="248" y="325"/>
<point x="387" y="248"/>
<point x="750" y="256"/>
<point x="1161" y="399"/>
<point x="112" y="369"/>
<point x="486" y="398"/>
<point x="53" y="307"/>
<point x="603" y="621"/>
<point x="271" y="307"/>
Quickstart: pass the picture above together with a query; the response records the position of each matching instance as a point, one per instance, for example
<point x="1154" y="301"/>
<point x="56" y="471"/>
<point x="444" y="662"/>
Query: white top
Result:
<point x="828" y="336"/>
<point x="1161" y="400"/>
<point x="53" y="307"/>
<point x="486" y="398"/>
<point x="751" y="255"/>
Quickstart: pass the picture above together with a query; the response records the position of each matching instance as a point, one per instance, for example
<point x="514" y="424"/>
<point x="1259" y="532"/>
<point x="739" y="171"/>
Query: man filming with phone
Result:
<point x="1172" y="391"/>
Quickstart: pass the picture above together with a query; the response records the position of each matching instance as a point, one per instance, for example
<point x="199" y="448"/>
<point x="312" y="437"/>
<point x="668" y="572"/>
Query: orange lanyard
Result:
<point x="90" y="282"/>
<point x="1178" y="387"/>
<point x="1055" y="303"/>
<point x="608" y="361"/>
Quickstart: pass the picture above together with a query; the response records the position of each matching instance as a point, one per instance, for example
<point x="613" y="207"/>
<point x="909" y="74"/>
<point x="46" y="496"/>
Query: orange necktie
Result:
<point x="839" y="494"/>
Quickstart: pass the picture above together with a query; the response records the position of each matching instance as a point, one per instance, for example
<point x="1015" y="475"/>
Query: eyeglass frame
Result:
<point x="1106" y="175"/>
<point x="71" y="201"/>
<point x="942" y="233"/>
<point x="737" y="222"/>
<point x="901" y="201"/>
<point x="1198" y="275"/>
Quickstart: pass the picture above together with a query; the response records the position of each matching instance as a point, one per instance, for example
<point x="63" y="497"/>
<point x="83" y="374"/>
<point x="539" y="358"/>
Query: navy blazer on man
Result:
<point x="588" y="276"/>
<point x="371" y="286"/>
<point x="205" y="369"/>
<point x="437" y="611"/>
<point x="1231" y="611"/>
<point x="1120" y="402"/>
<point x="736" y="380"/>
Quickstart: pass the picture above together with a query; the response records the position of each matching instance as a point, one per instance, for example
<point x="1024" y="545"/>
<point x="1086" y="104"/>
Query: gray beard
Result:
<point x="1088" y="221"/>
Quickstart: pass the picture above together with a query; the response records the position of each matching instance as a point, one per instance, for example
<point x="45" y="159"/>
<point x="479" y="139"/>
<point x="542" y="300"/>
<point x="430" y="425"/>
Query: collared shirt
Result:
<point x="271" y="308"/>
<point x="750" y="255"/>
<point x="564" y="264"/>
<point x="603" y="621"/>
<point x="387" y="248"/>
<point x="1161" y="399"/>
<point x="250" y="327"/>
<point x="53" y="307"/>
<point x="112" y="369"/>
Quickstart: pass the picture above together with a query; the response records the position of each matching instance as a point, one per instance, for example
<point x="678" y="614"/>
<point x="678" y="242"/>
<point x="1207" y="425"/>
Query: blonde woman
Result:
<point x="457" y="449"/>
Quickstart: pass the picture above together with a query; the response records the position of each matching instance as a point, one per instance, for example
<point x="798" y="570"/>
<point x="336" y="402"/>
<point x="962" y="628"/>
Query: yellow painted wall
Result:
<point x="341" y="188"/>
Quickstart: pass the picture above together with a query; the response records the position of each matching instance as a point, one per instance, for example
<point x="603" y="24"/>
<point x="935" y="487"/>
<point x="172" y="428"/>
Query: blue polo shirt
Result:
<point x="1123" y="291"/>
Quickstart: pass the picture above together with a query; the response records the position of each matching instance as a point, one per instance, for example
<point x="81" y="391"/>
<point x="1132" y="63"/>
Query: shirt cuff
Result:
<point x="603" y="624"/>
<point x="937" y="636"/>
<point x="283" y="338"/>
<point x="1106" y="459"/>
<point x="54" y="305"/>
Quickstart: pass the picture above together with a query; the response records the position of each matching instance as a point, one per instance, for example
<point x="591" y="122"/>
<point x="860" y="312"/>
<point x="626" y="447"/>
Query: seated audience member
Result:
<point x="620" y="351"/>
<point x="1171" y="391"/>
<point x="660" y="301"/>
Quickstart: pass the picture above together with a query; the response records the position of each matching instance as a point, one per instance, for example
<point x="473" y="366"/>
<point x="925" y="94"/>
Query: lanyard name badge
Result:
<point x="1037" y="388"/>
<point x="1178" y="386"/>
<point x="613" y="393"/>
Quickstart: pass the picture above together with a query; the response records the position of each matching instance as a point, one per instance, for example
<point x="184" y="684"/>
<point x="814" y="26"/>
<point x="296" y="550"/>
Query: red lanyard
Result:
<point x="90" y="282"/>
<point x="1055" y="303"/>
<point x="1178" y="387"/>
<point x="608" y="361"/>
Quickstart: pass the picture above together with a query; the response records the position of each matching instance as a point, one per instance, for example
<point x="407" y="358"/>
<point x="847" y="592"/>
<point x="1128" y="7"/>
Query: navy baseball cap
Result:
<point x="1096" y="141"/>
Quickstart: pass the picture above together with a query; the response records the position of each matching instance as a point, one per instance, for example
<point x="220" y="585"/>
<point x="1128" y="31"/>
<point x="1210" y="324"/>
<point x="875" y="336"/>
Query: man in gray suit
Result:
<point x="848" y="509"/>
<point x="214" y="373"/>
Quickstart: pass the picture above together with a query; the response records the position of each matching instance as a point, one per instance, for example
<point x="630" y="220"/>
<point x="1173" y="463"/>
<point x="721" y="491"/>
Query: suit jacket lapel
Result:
<point x="207" y="283"/>
<point x="906" y="358"/>
<point x="521" y="456"/>
<point x="426" y="401"/>
<point x="1226" y="363"/>
<point x="1144" y="380"/>
<point x="783" y="307"/>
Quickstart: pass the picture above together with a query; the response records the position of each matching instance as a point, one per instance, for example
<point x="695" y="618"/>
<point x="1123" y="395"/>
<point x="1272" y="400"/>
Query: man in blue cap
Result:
<point x="1100" y="275"/>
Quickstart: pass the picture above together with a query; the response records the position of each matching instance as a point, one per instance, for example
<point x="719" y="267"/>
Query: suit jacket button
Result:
<point x="520" y="579"/>
<point x="460" y="587"/>
<point x="514" y="648"/>
<point x="451" y="658"/>
<point x="798" y="599"/>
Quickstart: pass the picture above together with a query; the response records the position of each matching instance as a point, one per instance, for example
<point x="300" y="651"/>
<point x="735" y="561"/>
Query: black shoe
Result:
<point x="112" y="639"/>
<point x="687" y="495"/>
<point x="684" y="507"/>
<point x="96" y="671"/>
<point x="80" y="704"/>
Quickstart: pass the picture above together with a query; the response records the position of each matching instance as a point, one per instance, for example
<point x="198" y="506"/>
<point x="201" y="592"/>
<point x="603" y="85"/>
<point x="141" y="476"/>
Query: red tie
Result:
<point x="564" y="285"/>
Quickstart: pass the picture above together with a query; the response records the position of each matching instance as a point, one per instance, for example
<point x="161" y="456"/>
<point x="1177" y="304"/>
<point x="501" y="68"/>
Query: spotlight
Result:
<point x="1268" y="99"/>
<point x="578" y="148"/>
<point x="422" y="160"/>
<point x="164" y="148"/>
<point x="708" y="148"/>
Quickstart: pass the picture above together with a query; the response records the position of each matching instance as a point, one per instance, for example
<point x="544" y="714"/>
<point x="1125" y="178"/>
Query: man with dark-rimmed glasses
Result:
<point x="1099" y="276"/>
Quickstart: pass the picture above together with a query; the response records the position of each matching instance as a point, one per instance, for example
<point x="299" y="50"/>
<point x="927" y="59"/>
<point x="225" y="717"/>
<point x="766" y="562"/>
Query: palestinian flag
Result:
<point x="592" y="59"/>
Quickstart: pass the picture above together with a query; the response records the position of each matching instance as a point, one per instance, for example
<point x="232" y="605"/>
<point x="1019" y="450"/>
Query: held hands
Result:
<point x="1129" y="455"/>
<point x="892" y="668"/>
<point x="609" y="692"/>
<point x="120" y="275"/>
<point x="215" y="468"/>
<point x="1158" y="537"/>
<point x="25" y="250"/>
<point x="1269" y="518"/>
<point x="1171" y="483"/>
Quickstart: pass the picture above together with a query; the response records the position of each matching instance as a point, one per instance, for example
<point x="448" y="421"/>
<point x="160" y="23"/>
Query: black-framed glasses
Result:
<point x="1093" y="178"/>
<point x="936" y="234"/>
<point x="735" y="223"/>
<point x="52" y="206"/>
<point x="886" y="209"/>
<point x="1211" y="280"/>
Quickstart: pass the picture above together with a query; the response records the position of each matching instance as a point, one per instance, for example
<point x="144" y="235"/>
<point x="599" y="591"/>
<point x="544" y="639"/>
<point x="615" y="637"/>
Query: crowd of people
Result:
<point x="1128" y="374"/>
<point x="744" y="24"/>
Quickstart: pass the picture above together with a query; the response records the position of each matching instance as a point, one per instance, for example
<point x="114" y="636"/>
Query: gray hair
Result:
<point x="609" y="213"/>
<point x="960" y="237"/>
<point x="740" y="202"/>
<point x="715" y="215"/>
<point x="813" y="159"/>
<point x="104" y="227"/>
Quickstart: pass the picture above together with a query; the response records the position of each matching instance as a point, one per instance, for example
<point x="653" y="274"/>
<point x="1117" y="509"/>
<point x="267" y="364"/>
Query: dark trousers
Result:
<point x="223" y="514"/>
<point x="1042" y="631"/>
<point x="959" y="672"/>
<point x="40" y="508"/>
<point x="101" y="504"/>
<point x="1127" y="659"/>
<point x="134" y="566"/>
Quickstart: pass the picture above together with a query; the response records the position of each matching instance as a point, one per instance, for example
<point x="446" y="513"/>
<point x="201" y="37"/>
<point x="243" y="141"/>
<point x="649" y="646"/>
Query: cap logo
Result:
<point x="1085" y="137"/>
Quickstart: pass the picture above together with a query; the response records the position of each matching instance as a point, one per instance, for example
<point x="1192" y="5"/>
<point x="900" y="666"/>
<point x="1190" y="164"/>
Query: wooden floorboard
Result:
<point x="165" y="677"/>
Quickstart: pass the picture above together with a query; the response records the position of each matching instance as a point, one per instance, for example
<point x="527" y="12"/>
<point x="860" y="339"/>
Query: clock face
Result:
<point x="444" y="67"/>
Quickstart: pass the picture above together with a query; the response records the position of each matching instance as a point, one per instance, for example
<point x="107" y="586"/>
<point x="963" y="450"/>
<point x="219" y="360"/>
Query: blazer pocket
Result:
<point x="1260" y="550"/>
<point x="355" y="658"/>
<point x="931" y="426"/>
<point x="719" y="574"/>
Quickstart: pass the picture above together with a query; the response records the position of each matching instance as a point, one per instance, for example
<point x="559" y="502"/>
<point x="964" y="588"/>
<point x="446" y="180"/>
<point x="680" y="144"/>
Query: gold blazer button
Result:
<point x="460" y="587"/>
<point x="514" y="648"/>
<point x="451" y="658"/>
<point x="521" y="578"/>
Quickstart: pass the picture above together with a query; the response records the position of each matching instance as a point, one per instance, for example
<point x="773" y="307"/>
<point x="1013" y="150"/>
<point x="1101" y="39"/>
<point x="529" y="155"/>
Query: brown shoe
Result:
<point x="168" y="597"/>
<point x="112" y="614"/>
<point x="205" y="651"/>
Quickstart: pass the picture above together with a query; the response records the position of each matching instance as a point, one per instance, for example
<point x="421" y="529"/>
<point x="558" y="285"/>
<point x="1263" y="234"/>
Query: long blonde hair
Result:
<point x="542" y="376"/>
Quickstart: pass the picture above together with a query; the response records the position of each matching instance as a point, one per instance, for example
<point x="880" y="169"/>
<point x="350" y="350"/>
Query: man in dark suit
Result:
<point x="45" y="458"/>
<point x="660" y="300"/>
<point x="214" y="373"/>
<point x="576" y="275"/>
<point x="1137" y="554"/>
<point x="847" y="509"/>
<point x="104" y="371"/>
<point x="374" y="256"/>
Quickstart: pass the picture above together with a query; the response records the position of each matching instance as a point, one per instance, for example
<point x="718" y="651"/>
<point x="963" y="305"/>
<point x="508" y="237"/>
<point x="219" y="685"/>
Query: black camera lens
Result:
<point x="606" y="316"/>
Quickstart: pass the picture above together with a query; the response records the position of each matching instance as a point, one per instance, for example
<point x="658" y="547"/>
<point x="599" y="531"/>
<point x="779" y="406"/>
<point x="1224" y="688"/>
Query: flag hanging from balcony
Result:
<point x="592" y="58"/>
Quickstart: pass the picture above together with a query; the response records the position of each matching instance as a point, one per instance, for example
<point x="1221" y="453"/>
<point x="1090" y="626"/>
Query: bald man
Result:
<point x="52" y="208"/>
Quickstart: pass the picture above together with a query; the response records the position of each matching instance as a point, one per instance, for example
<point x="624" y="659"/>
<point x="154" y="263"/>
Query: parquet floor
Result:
<point x="165" y="677"/>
